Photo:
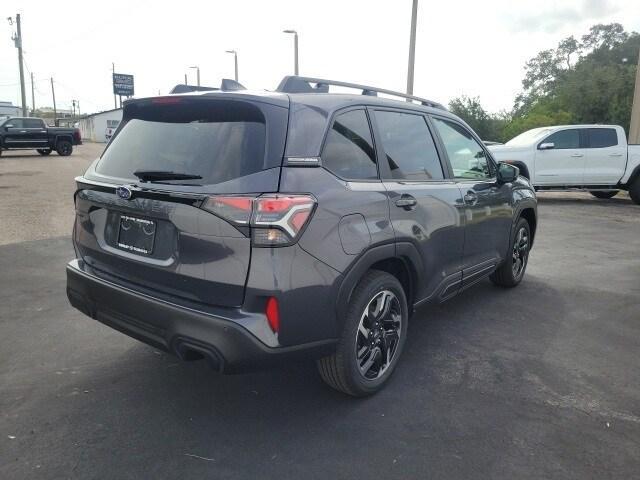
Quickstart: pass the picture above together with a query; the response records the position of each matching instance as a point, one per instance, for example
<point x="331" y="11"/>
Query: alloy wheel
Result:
<point x="520" y="252"/>
<point x="378" y="335"/>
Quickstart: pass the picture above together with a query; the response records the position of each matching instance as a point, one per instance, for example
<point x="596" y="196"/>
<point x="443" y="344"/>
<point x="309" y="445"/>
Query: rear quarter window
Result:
<point x="602" y="137"/>
<point x="348" y="151"/>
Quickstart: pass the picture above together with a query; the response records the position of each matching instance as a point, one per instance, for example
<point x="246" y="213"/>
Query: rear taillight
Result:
<point x="276" y="220"/>
<point x="235" y="209"/>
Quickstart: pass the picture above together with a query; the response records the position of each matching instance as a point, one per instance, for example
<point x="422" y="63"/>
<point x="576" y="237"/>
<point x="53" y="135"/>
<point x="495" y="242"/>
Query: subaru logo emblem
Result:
<point x="124" y="192"/>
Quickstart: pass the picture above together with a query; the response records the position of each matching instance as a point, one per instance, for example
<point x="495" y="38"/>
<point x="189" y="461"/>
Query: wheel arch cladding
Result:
<point x="399" y="268"/>
<point x="530" y="216"/>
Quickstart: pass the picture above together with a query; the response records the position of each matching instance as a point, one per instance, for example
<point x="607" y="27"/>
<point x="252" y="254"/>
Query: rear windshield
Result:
<point x="213" y="141"/>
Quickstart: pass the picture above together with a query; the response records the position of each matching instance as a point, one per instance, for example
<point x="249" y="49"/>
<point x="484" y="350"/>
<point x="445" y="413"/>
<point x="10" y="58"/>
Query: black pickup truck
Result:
<point x="33" y="133"/>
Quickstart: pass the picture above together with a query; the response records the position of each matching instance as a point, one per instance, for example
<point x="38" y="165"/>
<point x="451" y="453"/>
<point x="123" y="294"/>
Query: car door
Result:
<point x="15" y="135"/>
<point x="36" y="133"/>
<point x="560" y="158"/>
<point x="486" y="206"/>
<point x="606" y="156"/>
<point x="423" y="200"/>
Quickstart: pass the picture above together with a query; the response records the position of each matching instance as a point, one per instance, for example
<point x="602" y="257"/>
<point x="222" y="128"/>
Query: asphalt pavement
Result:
<point x="541" y="381"/>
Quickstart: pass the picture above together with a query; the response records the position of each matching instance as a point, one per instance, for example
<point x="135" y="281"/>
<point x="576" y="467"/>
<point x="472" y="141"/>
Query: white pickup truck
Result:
<point x="568" y="157"/>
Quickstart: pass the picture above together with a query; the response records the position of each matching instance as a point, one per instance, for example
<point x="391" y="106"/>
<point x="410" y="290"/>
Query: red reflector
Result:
<point x="273" y="314"/>
<point x="166" y="100"/>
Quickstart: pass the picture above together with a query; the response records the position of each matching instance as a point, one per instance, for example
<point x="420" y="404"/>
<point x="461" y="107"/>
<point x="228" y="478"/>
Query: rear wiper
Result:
<point x="151" y="175"/>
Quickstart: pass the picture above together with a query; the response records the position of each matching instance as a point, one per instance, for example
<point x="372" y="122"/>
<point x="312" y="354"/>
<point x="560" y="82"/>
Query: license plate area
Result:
<point x="136" y="235"/>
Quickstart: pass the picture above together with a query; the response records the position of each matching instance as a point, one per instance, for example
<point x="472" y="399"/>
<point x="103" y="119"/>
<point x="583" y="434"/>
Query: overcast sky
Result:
<point x="477" y="48"/>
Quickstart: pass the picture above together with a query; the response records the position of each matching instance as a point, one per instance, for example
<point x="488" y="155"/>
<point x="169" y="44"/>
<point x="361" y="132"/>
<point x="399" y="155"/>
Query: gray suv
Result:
<point x="249" y="228"/>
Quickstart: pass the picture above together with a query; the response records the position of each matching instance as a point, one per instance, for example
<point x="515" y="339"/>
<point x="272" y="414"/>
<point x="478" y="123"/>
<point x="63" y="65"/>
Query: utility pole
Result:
<point x="17" y="38"/>
<point x="113" y="75"/>
<point x="185" y="79"/>
<point x="634" y="128"/>
<point x="412" y="48"/>
<point x="55" y="111"/>
<point x="33" y="97"/>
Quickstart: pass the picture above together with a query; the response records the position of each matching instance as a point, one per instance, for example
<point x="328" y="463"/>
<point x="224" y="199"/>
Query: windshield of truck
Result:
<point x="529" y="137"/>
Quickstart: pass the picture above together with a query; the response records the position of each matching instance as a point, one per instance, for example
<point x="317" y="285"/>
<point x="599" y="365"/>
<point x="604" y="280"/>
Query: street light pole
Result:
<point x="33" y="97"/>
<point x="412" y="48"/>
<point x="235" y="59"/>
<point x="295" y="50"/>
<point x="113" y="76"/>
<point x="634" y="128"/>
<point x="197" y="74"/>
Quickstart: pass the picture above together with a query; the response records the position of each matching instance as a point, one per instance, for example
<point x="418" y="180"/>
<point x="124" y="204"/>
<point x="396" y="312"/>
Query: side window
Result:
<point x="409" y="147"/>
<point x="33" y="123"/>
<point x="602" y="137"/>
<point x="468" y="159"/>
<point x="15" y="123"/>
<point x="348" y="151"/>
<point x="564" y="139"/>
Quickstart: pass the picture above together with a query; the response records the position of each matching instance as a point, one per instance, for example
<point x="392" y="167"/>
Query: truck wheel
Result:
<point x="374" y="334"/>
<point x="44" y="151"/>
<point x="604" y="195"/>
<point x="64" y="148"/>
<point x="510" y="273"/>
<point x="634" y="191"/>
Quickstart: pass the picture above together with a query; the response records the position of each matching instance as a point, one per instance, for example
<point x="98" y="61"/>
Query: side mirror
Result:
<point x="547" y="146"/>
<point x="8" y="126"/>
<point x="507" y="173"/>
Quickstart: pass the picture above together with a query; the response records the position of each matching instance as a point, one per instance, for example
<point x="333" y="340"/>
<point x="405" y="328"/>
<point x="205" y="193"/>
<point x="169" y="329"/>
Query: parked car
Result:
<point x="568" y="157"/>
<point x="18" y="133"/>
<point x="250" y="228"/>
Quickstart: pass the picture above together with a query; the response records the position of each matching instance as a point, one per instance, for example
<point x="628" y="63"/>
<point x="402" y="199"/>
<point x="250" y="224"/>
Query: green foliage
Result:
<point x="586" y="81"/>
<point x="541" y="115"/>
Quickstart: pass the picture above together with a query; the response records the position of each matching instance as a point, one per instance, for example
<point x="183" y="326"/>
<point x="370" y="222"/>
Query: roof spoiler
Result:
<point x="227" y="85"/>
<point x="296" y="84"/>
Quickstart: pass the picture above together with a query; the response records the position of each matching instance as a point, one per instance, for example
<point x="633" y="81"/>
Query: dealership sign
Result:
<point x="123" y="84"/>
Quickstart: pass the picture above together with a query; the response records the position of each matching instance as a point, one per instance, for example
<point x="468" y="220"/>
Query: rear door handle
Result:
<point x="471" y="198"/>
<point x="407" y="202"/>
<point x="615" y="155"/>
<point x="578" y="155"/>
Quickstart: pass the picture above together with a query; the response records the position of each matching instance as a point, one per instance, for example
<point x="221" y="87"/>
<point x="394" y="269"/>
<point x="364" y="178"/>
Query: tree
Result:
<point x="487" y="126"/>
<point x="590" y="81"/>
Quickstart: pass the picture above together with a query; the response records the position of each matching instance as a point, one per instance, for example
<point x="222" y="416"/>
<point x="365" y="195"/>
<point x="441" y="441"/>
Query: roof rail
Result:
<point x="296" y="84"/>
<point x="227" y="85"/>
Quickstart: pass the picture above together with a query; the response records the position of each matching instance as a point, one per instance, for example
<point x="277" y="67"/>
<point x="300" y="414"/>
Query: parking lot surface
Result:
<point x="541" y="381"/>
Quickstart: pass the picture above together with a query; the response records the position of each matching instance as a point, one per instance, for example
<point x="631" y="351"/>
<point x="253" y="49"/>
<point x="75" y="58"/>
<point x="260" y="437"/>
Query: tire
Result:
<point x="511" y="272"/>
<point x="604" y="194"/>
<point x="634" y="191"/>
<point x="44" y="151"/>
<point x="64" y="148"/>
<point x="366" y="374"/>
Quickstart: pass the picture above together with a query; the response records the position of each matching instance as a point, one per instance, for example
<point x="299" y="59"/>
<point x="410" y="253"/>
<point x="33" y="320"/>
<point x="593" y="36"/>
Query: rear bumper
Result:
<point x="227" y="346"/>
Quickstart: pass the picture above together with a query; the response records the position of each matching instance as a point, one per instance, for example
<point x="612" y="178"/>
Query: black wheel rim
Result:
<point x="66" y="148"/>
<point x="378" y="335"/>
<point x="520" y="252"/>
